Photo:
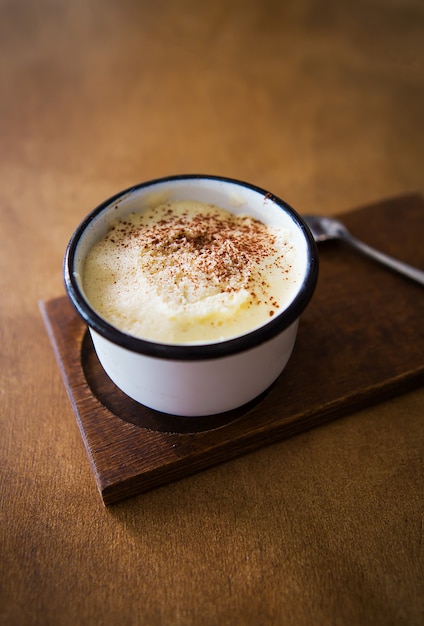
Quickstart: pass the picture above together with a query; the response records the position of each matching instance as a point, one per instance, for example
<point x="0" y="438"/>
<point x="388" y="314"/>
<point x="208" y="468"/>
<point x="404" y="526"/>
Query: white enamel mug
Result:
<point x="194" y="380"/>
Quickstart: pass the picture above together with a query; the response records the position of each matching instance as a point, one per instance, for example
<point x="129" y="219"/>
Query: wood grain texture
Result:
<point x="360" y="341"/>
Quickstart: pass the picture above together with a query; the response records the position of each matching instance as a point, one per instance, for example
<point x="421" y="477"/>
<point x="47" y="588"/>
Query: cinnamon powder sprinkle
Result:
<point x="186" y="271"/>
<point x="212" y="249"/>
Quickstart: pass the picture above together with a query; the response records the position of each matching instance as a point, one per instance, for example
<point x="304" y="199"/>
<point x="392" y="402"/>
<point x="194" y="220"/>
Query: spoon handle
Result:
<point x="402" y="268"/>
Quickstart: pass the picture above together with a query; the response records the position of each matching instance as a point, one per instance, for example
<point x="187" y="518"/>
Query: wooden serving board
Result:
<point x="360" y="341"/>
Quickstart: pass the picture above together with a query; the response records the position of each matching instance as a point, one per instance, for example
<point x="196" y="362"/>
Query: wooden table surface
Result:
<point x="320" y="102"/>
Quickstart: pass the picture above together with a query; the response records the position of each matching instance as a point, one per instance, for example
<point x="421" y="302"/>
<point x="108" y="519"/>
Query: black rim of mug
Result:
<point x="191" y="352"/>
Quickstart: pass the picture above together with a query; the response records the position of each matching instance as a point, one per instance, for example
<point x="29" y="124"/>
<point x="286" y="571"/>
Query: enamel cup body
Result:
<point x="194" y="380"/>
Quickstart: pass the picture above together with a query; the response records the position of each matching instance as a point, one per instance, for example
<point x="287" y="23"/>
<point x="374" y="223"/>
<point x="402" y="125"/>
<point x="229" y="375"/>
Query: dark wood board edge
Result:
<point x="141" y="483"/>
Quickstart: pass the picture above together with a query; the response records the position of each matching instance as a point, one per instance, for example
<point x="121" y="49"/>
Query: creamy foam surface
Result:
<point x="187" y="272"/>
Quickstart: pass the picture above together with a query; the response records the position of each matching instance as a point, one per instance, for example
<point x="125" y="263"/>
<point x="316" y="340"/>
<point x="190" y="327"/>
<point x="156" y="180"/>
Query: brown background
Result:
<point x="321" y="102"/>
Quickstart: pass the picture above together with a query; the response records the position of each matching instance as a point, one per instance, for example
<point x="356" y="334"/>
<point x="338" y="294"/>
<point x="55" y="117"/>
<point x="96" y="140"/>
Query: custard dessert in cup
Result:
<point x="192" y="288"/>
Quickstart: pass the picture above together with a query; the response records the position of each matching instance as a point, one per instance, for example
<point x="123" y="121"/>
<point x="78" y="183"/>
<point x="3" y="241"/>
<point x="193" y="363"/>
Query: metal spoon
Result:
<point x="325" y="228"/>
